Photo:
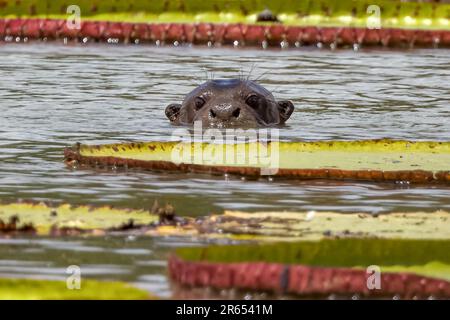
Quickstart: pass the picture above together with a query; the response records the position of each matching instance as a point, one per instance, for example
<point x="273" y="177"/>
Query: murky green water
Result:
<point x="52" y="96"/>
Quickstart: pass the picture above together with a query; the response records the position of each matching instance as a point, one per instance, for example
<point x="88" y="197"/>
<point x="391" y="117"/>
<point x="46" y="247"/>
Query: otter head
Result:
<point x="230" y="103"/>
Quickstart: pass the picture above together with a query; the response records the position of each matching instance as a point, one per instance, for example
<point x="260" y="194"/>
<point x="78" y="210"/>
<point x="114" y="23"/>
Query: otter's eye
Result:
<point x="199" y="102"/>
<point x="252" y="101"/>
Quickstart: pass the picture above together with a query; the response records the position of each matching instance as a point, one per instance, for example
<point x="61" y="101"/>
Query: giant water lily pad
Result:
<point x="373" y="160"/>
<point x="323" y="13"/>
<point x="351" y="252"/>
<point x="291" y="226"/>
<point x="406" y="268"/>
<point x="44" y="219"/>
<point x="28" y="289"/>
<point x="259" y="226"/>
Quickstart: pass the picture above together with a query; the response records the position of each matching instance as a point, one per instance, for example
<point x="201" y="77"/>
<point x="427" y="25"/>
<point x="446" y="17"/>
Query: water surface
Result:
<point x="52" y="96"/>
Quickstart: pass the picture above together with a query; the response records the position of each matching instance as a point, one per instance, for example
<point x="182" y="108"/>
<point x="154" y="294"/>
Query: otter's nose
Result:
<point x="224" y="111"/>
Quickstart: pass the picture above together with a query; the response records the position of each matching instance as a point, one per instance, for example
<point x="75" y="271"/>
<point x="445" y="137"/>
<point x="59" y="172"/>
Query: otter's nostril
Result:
<point x="236" y="112"/>
<point x="212" y="113"/>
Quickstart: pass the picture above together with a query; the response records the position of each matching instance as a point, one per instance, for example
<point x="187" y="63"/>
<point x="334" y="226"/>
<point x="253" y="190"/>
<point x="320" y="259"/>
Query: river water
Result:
<point x="52" y="96"/>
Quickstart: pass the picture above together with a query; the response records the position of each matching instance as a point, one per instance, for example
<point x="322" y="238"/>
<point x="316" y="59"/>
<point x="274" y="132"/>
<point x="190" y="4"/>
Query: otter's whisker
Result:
<point x="206" y="73"/>
<point x="261" y="75"/>
<point x="251" y="70"/>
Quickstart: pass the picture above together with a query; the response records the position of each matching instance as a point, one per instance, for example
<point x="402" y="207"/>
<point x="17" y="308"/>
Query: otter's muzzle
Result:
<point x="224" y="111"/>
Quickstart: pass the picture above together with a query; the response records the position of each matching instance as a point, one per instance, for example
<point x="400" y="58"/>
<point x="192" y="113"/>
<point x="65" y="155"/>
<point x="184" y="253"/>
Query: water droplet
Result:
<point x="73" y="164"/>
<point x="131" y="238"/>
<point x="264" y="44"/>
<point x="310" y="215"/>
<point x="235" y="43"/>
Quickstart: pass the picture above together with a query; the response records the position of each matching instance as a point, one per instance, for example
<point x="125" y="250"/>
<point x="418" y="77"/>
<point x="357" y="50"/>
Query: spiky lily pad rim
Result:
<point x="370" y="160"/>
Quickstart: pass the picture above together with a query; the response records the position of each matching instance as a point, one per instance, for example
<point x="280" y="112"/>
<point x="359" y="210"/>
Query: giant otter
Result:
<point x="230" y="103"/>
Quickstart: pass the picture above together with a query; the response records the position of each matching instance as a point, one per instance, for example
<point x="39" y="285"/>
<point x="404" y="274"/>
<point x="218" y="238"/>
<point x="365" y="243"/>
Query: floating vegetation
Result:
<point x="27" y="289"/>
<point x="246" y="22"/>
<point x="370" y="160"/>
<point x="347" y="267"/>
<point x="295" y="253"/>
<point x="65" y="219"/>
<point x="294" y="226"/>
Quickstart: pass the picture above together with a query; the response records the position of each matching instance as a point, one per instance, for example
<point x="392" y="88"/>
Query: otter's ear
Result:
<point x="285" y="108"/>
<point x="173" y="111"/>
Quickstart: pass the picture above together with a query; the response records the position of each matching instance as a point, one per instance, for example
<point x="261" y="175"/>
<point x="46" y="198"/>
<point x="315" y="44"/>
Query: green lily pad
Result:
<point x="41" y="218"/>
<point x="374" y="160"/>
<point x="424" y="257"/>
<point x="27" y="289"/>
<point x="294" y="226"/>
<point x="348" y="13"/>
